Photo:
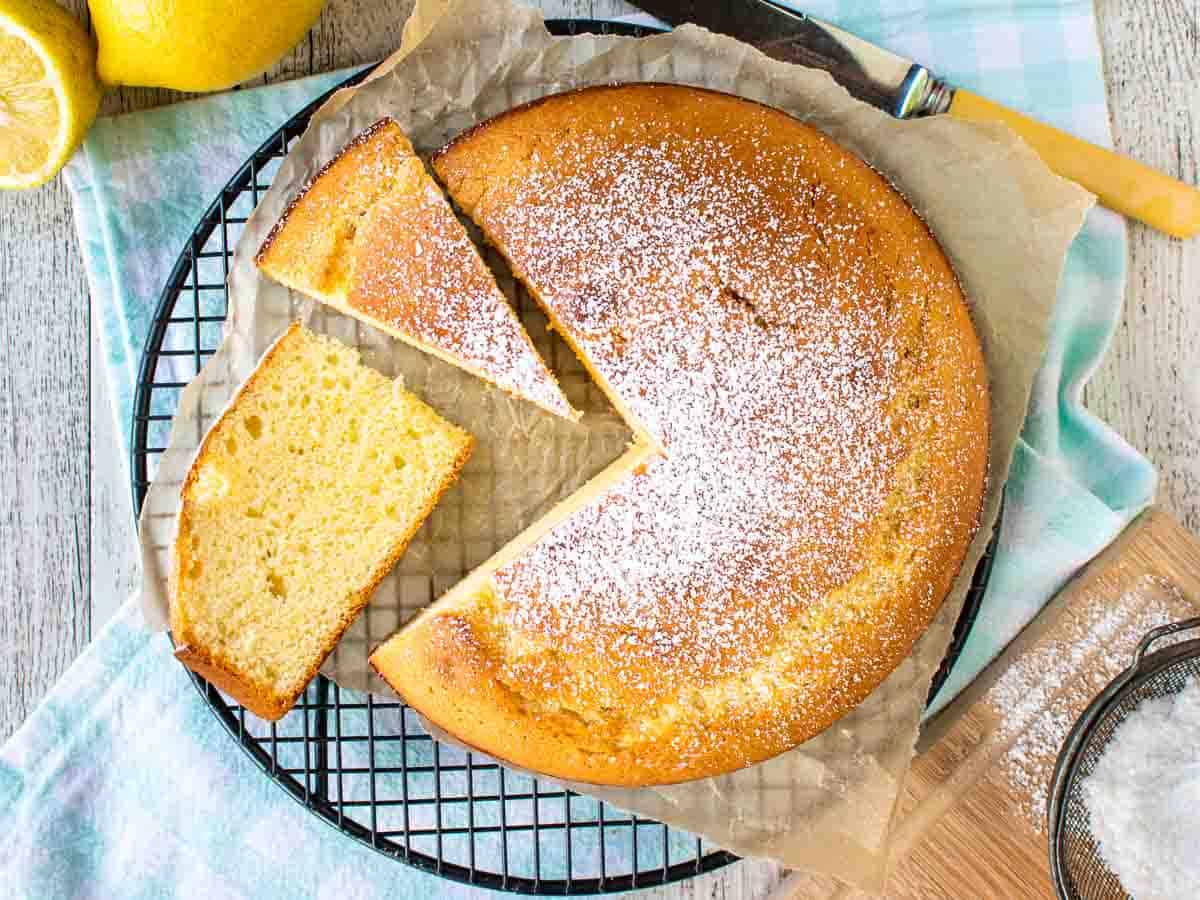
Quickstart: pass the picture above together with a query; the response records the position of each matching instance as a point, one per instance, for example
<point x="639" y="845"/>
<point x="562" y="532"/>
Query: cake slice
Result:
<point x="372" y="236"/>
<point x="302" y="496"/>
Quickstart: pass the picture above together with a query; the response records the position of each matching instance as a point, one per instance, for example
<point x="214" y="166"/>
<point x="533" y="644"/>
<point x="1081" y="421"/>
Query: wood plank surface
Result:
<point x="1149" y="385"/>
<point x="45" y="615"/>
<point x="65" y="562"/>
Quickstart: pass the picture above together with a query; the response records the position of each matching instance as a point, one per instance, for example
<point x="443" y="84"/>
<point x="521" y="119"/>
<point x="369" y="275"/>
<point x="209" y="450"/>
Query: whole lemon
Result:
<point x="195" y="45"/>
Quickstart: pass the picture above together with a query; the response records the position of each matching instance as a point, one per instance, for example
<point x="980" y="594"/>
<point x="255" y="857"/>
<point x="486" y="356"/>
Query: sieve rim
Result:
<point x="1144" y="666"/>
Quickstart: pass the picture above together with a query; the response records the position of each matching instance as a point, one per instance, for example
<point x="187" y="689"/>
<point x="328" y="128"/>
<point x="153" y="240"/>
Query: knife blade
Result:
<point x="906" y="89"/>
<point x="898" y="86"/>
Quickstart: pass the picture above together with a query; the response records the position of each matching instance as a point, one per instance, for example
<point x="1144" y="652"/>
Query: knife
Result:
<point x="907" y="90"/>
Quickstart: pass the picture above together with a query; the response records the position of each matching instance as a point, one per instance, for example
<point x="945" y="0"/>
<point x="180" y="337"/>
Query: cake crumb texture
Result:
<point x="302" y="496"/>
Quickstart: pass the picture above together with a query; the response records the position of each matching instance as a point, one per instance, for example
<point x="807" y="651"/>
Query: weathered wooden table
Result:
<point x="65" y="521"/>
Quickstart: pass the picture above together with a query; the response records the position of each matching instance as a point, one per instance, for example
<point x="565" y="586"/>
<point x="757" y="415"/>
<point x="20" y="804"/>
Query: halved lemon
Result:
<point x="49" y="91"/>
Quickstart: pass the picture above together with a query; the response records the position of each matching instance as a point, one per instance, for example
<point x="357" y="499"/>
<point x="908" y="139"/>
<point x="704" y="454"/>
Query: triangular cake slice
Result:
<point x="372" y="236"/>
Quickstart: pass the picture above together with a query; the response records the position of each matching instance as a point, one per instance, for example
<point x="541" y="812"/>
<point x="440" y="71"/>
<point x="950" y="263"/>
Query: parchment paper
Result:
<point x="1004" y="220"/>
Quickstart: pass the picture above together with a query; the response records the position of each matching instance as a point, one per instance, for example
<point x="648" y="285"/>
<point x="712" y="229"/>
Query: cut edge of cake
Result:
<point x="209" y="662"/>
<point x="385" y="658"/>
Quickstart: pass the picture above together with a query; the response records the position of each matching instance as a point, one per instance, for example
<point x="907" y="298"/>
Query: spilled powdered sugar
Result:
<point x="1045" y="690"/>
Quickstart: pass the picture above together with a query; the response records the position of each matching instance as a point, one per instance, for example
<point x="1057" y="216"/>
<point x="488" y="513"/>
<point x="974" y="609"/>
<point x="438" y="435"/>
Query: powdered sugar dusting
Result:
<point x="417" y="271"/>
<point x="711" y="548"/>
<point x="748" y="309"/>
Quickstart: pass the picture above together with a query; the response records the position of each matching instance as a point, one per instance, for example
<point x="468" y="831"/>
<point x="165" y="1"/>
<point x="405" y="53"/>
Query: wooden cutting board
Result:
<point x="971" y="820"/>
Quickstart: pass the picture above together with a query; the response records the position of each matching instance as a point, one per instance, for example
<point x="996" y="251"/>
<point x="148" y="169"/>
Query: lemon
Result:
<point x="195" y="45"/>
<point x="49" y="93"/>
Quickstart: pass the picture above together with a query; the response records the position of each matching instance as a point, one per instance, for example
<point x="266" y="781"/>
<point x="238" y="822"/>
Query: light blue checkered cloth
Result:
<point x="123" y="784"/>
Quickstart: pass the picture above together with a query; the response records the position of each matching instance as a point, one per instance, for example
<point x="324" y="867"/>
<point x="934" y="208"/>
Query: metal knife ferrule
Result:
<point x="921" y="94"/>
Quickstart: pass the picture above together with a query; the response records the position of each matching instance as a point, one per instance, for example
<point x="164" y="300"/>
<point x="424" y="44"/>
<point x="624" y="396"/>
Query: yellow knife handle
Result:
<point x="1128" y="187"/>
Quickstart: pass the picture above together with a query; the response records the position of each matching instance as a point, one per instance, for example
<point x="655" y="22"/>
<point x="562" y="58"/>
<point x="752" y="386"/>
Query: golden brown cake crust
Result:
<point x="771" y="312"/>
<point x="318" y="221"/>
<point x="372" y="235"/>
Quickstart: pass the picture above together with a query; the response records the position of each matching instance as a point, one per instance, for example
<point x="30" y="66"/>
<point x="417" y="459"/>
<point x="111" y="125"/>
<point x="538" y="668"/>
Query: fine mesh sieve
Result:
<point x="1078" y="870"/>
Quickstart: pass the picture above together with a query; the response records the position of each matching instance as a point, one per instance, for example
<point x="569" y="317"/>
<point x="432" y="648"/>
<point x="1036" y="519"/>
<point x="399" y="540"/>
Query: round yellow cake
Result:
<point x="795" y="356"/>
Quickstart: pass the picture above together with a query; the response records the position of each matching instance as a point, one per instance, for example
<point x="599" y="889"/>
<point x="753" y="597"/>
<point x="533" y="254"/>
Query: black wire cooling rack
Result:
<point x="366" y="765"/>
